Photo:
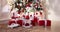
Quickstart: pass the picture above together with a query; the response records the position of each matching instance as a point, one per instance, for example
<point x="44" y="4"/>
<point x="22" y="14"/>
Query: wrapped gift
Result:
<point x="20" y="22"/>
<point x="11" y="21"/>
<point x="41" y="22"/>
<point x="35" y="19"/>
<point x="33" y="22"/>
<point x="48" y="23"/>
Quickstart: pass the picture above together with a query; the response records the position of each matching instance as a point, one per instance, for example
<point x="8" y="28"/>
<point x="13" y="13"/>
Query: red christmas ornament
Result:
<point x="27" y="17"/>
<point x="23" y="10"/>
<point x="40" y="5"/>
<point x="36" y="13"/>
<point x="30" y="2"/>
<point x="24" y="16"/>
<point x="40" y="13"/>
<point x="27" y="5"/>
<point x="19" y="12"/>
<point x="36" y="5"/>
<point x="18" y="6"/>
<point x="30" y="15"/>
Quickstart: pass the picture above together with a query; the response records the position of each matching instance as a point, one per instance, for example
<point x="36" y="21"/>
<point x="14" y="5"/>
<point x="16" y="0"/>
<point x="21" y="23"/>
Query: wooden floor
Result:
<point x="54" y="28"/>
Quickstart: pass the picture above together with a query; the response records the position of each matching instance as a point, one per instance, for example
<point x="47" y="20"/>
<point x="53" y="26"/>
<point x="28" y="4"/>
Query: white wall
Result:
<point x="54" y="10"/>
<point x="4" y="14"/>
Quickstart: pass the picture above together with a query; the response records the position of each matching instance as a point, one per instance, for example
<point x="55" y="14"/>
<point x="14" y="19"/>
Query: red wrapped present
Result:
<point x="41" y="22"/>
<point x="33" y="22"/>
<point x="20" y="22"/>
<point x="19" y="12"/>
<point x="48" y="22"/>
<point x="11" y="21"/>
<point x="13" y="17"/>
<point x="27" y="24"/>
<point x="35" y="19"/>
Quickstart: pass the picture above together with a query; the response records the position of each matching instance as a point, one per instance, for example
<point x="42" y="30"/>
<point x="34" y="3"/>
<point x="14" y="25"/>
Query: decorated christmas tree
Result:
<point x="27" y="10"/>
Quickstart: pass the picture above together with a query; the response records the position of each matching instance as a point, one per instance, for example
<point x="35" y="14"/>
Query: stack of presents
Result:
<point x="28" y="13"/>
